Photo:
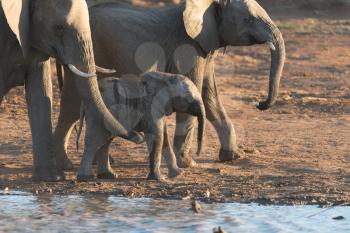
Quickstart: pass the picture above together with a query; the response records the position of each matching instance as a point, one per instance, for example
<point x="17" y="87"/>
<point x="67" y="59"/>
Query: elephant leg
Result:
<point x="169" y="156"/>
<point x="38" y="88"/>
<point x="183" y="140"/>
<point x="154" y="141"/>
<point x="110" y="159"/>
<point x="216" y="114"/>
<point x="69" y="114"/>
<point x="105" y="171"/>
<point x="96" y="137"/>
<point x="85" y="169"/>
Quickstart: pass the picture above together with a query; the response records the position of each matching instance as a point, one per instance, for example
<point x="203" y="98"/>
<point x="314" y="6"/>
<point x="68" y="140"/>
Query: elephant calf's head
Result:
<point x="176" y="93"/>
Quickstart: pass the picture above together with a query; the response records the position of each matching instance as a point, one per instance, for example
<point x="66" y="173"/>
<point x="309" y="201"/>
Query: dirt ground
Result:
<point x="298" y="152"/>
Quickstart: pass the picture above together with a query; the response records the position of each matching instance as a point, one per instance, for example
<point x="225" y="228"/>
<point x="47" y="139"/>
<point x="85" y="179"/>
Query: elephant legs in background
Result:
<point x="38" y="88"/>
<point x="216" y="114"/>
<point x="69" y="114"/>
<point x="102" y="158"/>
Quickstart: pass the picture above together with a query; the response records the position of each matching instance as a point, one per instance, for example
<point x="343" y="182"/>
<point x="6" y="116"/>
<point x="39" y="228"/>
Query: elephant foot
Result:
<point x="107" y="175"/>
<point x="175" y="172"/>
<point x="186" y="162"/>
<point x="63" y="162"/>
<point x="110" y="158"/>
<point x="65" y="165"/>
<point x="155" y="176"/>
<point x="48" y="174"/>
<point x="229" y="155"/>
<point x="86" y="177"/>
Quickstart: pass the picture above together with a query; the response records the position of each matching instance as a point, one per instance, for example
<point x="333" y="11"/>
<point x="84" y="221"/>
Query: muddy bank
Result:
<point x="298" y="152"/>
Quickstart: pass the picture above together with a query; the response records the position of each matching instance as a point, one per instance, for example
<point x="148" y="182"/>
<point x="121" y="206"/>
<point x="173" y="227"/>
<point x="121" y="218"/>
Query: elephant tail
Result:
<point x="81" y="123"/>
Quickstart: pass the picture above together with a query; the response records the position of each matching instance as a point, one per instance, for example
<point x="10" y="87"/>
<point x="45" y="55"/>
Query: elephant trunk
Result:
<point x="201" y="125"/>
<point x="278" y="54"/>
<point x="91" y="96"/>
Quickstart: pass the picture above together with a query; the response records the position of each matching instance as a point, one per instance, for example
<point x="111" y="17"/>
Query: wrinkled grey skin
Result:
<point x="190" y="35"/>
<point x="31" y="32"/>
<point x="142" y="104"/>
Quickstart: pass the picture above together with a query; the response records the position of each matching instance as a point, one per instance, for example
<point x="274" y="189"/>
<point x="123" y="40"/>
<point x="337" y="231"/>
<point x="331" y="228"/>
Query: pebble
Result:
<point x="6" y="189"/>
<point x="219" y="230"/>
<point x="339" y="218"/>
<point x="249" y="150"/>
<point x="207" y="194"/>
<point x="196" y="207"/>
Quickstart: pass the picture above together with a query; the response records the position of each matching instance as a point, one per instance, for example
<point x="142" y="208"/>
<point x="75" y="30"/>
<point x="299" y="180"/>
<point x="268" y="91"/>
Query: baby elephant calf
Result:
<point x="142" y="104"/>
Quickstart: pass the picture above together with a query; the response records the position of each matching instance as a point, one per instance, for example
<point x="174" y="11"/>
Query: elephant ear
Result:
<point x="17" y="16"/>
<point x="153" y="81"/>
<point x="200" y="23"/>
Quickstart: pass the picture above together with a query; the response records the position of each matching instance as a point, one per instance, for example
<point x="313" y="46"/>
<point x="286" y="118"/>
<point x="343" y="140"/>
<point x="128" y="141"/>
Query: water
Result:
<point x="22" y="212"/>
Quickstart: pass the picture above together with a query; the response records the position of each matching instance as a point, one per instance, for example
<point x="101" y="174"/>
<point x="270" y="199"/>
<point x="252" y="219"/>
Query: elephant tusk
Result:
<point x="271" y="45"/>
<point x="80" y="73"/>
<point x="104" y="70"/>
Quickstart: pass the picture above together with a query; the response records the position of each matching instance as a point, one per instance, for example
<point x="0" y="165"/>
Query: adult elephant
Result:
<point x="182" y="39"/>
<point x="31" y="32"/>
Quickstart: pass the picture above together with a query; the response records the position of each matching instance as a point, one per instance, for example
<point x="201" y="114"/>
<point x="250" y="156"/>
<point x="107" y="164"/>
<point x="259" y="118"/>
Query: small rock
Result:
<point x="249" y="150"/>
<point x="339" y="218"/>
<point x="49" y="190"/>
<point x="6" y="189"/>
<point x="215" y="170"/>
<point x="219" y="230"/>
<point x="196" y="207"/>
<point x="207" y="194"/>
<point x="131" y="194"/>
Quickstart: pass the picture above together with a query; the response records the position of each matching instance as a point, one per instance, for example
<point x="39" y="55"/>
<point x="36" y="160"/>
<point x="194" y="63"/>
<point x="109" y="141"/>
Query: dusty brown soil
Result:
<point x="298" y="152"/>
